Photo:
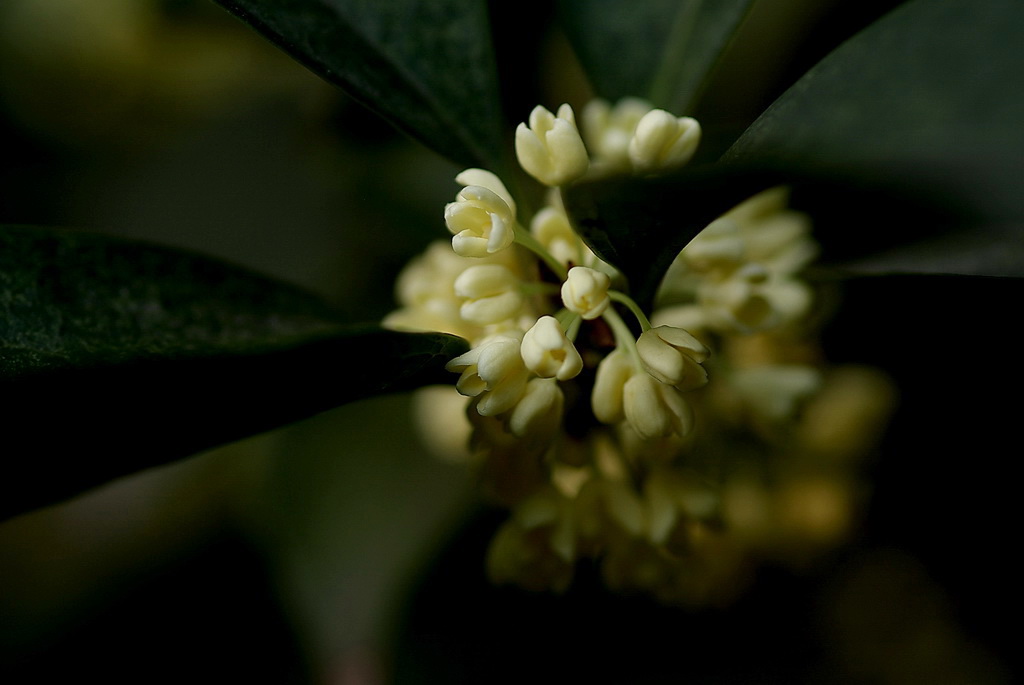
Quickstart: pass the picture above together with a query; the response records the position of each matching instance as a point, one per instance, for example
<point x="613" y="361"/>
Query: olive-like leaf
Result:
<point x="923" y="100"/>
<point x="639" y="225"/>
<point x="663" y="50"/>
<point x="427" y="66"/>
<point x="116" y="356"/>
<point x="978" y="250"/>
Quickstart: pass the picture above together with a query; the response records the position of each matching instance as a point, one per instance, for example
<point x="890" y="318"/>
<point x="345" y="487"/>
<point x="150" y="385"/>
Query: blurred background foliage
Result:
<point x="336" y="550"/>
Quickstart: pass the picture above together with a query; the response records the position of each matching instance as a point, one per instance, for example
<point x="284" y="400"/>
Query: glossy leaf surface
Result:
<point x="427" y="66"/>
<point x="659" y="49"/>
<point x="922" y="101"/>
<point x="639" y="225"/>
<point x="116" y="356"/>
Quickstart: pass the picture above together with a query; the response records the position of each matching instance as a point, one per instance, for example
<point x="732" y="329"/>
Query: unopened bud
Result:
<point x="550" y="148"/>
<point x="662" y="142"/>
<point x="606" y="398"/>
<point x="481" y="221"/>
<point x="585" y="292"/>
<point x="550" y="226"/>
<point x="538" y="414"/>
<point x="609" y="129"/>
<point x="489" y="180"/>
<point x="491" y="292"/>
<point x="655" y="409"/>
<point x="494" y="372"/>
<point x="673" y="356"/>
<point x="548" y="353"/>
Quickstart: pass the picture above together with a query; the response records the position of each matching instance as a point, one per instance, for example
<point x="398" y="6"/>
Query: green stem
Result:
<point x="616" y="296"/>
<point x="573" y="329"/>
<point x="581" y="248"/>
<point x="526" y="239"/>
<point x="623" y="336"/>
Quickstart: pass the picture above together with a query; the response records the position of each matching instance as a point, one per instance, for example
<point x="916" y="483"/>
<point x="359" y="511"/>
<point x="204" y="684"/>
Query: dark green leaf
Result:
<point x="116" y="356"/>
<point x="425" y="65"/>
<point x="639" y="225"/>
<point x="924" y="101"/>
<point x="983" y="250"/>
<point x="884" y="225"/>
<point x="663" y="50"/>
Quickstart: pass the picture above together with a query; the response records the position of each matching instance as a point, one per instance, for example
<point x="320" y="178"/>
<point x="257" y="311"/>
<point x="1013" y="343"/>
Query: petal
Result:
<point x="491" y="310"/>
<point x="501" y="234"/>
<point x="681" y="339"/>
<point x="606" y="397"/>
<point x="532" y="154"/>
<point x="541" y="120"/>
<point x="660" y="359"/>
<point x="644" y="408"/>
<point x="489" y="180"/>
<point x="567" y="151"/>
<point x="468" y="244"/>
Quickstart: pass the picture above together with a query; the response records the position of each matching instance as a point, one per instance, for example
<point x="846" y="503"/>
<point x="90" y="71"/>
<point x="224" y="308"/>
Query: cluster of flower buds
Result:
<point x="590" y="422"/>
<point x="743" y="269"/>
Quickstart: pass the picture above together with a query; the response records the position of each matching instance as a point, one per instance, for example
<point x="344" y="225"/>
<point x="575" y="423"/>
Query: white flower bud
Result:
<point x="585" y="292"/>
<point x="538" y="414"/>
<point x="775" y="390"/>
<point x="489" y="180"/>
<point x="536" y="547"/>
<point x="426" y="294"/>
<point x="550" y="226"/>
<point x="673" y="356"/>
<point x="720" y="244"/>
<point x="548" y="353"/>
<point x="662" y="142"/>
<point x="494" y="371"/>
<point x="654" y="409"/>
<point x="612" y="374"/>
<point x="550" y="148"/>
<point x="481" y="221"/>
<point x="491" y="292"/>
<point x="608" y="130"/>
<point x="749" y="299"/>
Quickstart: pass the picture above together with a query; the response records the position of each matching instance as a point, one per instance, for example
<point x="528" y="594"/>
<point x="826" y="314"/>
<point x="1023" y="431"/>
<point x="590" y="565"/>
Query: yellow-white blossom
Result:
<point x="673" y="356"/>
<point x="550" y="226"/>
<point x="654" y="409"/>
<point x="536" y="547"/>
<point x="426" y="292"/>
<point x="609" y="129"/>
<point x="491" y="294"/>
<point x="720" y="245"/>
<point x="752" y="298"/>
<point x="548" y="353"/>
<point x="774" y="390"/>
<point x="773" y="234"/>
<point x="489" y="180"/>
<point x="494" y="372"/>
<point x="742" y="268"/>
<point x="481" y="222"/>
<point x="583" y="432"/>
<point x="606" y="397"/>
<point x="662" y="142"/>
<point x="550" y="148"/>
<point x="538" y="414"/>
<point x="585" y="292"/>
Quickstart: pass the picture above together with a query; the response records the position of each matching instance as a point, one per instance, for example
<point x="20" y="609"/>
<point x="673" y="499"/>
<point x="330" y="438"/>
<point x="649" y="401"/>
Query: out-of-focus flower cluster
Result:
<point x="675" y="448"/>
